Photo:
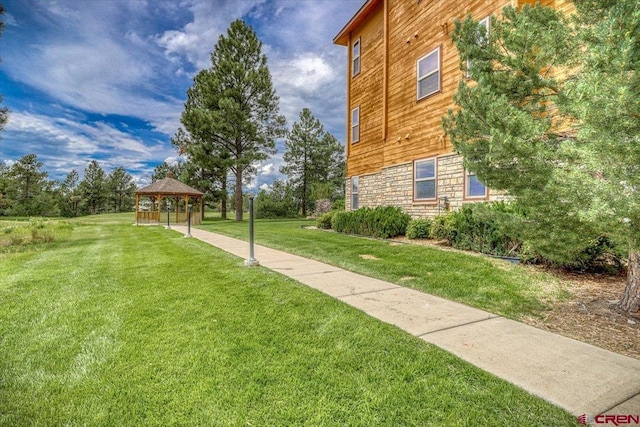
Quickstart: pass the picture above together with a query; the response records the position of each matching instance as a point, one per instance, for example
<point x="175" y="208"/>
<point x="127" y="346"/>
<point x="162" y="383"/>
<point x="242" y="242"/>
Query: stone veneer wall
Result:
<point x="394" y="186"/>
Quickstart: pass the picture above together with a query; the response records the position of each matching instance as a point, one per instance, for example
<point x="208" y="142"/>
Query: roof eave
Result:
<point x="342" y="38"/>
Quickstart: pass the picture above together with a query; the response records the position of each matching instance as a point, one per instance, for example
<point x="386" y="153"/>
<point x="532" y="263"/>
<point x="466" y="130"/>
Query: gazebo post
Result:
<point x="186" y="207"/>
<point x="160" y="199"/>
<point x="137" y="203"/>
<point x="201" y="210"/>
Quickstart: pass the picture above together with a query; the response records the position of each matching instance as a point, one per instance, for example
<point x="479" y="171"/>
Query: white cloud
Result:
<point x="266" y="169"/>
<point x="64" y="144"/>
<point x="195" y="40"/>
<point x="133" y="58"/>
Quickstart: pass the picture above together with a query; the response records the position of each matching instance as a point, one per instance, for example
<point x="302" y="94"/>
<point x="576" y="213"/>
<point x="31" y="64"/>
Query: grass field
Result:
<point x="493" y="285"/>
<point x="122" y="325"/>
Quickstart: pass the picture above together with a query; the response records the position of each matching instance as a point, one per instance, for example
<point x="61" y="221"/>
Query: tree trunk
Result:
<point x="630" y="301"/>
<point x="238" y="193"/>
<point x="304" y="197"/>
<point x="223" y="199"/>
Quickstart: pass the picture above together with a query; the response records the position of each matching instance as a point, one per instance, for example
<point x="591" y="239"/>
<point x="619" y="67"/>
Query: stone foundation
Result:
<point x="394" y="186"/>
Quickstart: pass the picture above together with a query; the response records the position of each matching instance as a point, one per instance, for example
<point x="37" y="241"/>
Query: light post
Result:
<point x="188" y="221"/>
<point x="251" y="262"/>
<point x="168" y="227"/>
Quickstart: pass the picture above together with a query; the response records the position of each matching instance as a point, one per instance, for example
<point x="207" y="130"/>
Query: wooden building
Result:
<point x="176" y="195"/>
<point x="403" y="70"/>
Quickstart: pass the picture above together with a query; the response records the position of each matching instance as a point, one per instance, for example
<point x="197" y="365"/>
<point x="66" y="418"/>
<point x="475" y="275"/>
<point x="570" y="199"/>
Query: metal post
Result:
<point x="251" y="262"/>
<point x="188" y="222"/>
<point x="168" y="210"/>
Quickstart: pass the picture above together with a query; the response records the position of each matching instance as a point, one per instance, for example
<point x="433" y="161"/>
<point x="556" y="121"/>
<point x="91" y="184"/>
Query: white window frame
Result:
<point x="355" y="125"/>
<point x="356" y="59"/>
<point x="355" y="198"/>
<point x="416" y="180"/>
<point x="438" y="69"/>
<point x="467" y="181"/>
<point x="487" y="24"/>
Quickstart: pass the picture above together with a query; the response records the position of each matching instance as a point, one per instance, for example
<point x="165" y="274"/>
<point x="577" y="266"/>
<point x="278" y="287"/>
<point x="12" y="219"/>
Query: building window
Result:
<point x="428" y="71"/>
<point x="355" y="125"/>
<point x="354" y="193"/>
<point x="424" y="179"/>
<point x="473" y="187"/>
<point x="482" y="39"/>
<point x="355" y="66"/>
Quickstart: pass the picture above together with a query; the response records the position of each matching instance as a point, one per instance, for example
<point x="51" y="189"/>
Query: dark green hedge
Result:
<point x="382" y="222"/>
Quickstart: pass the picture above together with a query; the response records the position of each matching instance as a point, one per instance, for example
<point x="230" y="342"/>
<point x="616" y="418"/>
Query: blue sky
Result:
<point x="106" y="80"/>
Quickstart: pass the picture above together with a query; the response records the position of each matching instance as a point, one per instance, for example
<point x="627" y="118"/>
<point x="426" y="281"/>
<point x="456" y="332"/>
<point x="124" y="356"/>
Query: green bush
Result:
<point x="442" y="228"/>
<point x="504" y="229"/>
<point x="490" y="228"/>
<point x="278" y="203"/>
<point x="598" y="254"/>
<point x="324" y="221"/>
<point x="338" y="204"/>
<point x="382" y="222"/>
<point x="419" y="228"/>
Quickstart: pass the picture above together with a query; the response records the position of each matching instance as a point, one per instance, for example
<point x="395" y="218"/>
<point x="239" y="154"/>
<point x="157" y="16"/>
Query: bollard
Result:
<point x="251" y="262"/>
<point x="168" y="212"/>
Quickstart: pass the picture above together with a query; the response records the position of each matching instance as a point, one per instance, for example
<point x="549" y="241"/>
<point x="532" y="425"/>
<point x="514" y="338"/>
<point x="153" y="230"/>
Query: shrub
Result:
<point x="419" y="228"/>
<point x="599" y="254"/>
<point x="382" y="222"/>
<point x="324" y="221"/>
<point x="442" y="228"/>
<point x="338" y="204"/>
<point x="490" y="228"/>
<point x="278" y="203"/>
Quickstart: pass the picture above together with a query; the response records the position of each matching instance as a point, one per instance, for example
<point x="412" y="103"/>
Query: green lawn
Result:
<point x="486" y="283"/>
<point x="122" y="325"/>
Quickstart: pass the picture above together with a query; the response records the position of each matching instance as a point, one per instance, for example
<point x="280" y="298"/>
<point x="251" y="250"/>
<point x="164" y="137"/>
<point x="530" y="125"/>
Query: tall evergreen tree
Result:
<point x="5" y="188"/>
<point x="93" y="188"/>
<point x="121" y="190"/>
<point x="4" y="112"/>
<point x="207" y="168"/>
<point x="29" y="185"/>
<point x="233" y="106"/>
<point x="163" y="169"/>
<point x="312" y="157"/>
<point x="70" y="196"/>
<point x="562" y="139"/>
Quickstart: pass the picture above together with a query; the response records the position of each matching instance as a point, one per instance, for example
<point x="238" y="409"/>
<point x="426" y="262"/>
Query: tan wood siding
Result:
<point x="414" y="126"/>
<point x="366" y="90"/>
<point x="396" y="127"/>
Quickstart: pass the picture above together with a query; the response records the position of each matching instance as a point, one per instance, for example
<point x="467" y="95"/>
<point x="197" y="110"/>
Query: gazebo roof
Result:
<point x="169" y="186"/>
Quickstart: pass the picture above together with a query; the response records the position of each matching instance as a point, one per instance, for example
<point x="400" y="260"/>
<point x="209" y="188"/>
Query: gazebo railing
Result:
<point x="150" y="217"/>
<point x="147" y="217"/>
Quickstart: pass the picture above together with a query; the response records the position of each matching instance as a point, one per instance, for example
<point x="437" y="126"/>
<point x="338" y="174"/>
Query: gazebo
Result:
<point x="168" y="188"/>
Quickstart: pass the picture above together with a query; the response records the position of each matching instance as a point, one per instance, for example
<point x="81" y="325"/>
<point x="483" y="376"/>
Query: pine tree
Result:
<point x="163" y="169"/>
<point x="70" y="195"/>
<point x="552" y="117"/>
<point x="4" y="112"/>
<point x="207" y="167"/>
<point x="93" y="188"/>
<point x="29" y="183"/>
<point x="233" y="107"/>
<point x="121" y="190"/>
<point x="312" y="158"/>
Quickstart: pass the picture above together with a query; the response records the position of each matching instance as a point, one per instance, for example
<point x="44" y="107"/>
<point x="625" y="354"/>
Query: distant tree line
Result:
<point x="25" y="190"/>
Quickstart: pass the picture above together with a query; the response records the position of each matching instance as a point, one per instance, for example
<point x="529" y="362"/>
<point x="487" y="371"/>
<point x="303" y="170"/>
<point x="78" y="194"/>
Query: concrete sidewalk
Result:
<point x="578" y="377"/>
